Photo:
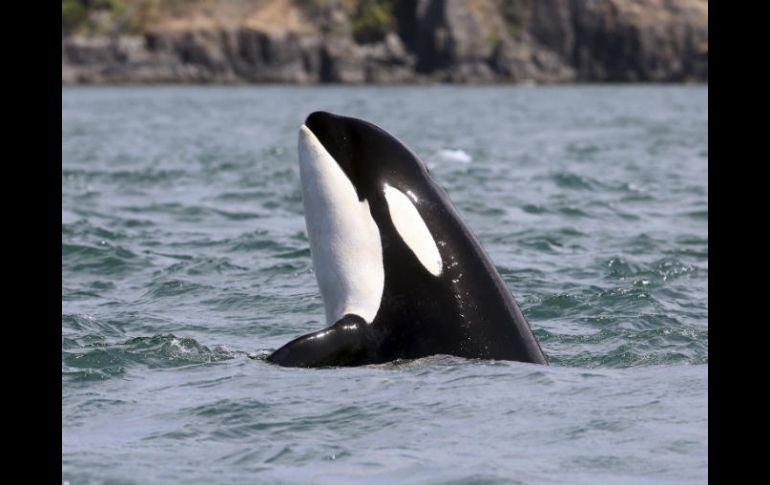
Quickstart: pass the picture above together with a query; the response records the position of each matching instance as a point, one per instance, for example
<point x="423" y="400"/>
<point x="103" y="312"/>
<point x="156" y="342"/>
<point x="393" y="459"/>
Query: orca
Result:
<point x="400" y="274"/>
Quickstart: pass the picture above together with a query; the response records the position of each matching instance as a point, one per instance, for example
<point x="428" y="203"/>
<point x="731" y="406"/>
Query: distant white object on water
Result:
<point x="455" y="156"/>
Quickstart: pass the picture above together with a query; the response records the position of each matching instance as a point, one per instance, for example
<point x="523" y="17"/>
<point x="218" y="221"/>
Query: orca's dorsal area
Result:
<point x="400" y="274"/>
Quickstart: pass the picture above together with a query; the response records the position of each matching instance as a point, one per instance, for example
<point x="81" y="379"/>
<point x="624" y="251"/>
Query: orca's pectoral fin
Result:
<point x="342" y="344"/>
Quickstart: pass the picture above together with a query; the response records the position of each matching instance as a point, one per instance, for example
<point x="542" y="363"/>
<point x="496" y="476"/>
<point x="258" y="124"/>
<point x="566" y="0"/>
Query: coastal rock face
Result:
<point x="626" y="40"/>
<point x="473" y="41"/>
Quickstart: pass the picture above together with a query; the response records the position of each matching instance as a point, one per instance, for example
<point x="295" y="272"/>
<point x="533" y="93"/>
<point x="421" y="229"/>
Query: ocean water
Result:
<point x="185" y="262"/>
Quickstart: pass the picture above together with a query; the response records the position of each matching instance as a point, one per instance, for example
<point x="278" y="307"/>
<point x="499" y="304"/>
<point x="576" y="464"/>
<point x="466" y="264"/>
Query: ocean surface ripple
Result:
<point x="185" y="261"/>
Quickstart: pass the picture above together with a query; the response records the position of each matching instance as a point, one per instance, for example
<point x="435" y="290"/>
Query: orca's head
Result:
<point x="357" y="181"/>
<point x="369" y="156"/>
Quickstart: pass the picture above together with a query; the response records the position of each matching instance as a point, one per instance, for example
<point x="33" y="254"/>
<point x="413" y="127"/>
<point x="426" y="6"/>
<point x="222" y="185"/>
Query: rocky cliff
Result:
<point x="398" y="41"/>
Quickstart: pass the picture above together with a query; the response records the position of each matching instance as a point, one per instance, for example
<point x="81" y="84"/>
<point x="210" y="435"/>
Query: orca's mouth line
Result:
<point x="335" y="134"/>
<point x="345" y="167"/>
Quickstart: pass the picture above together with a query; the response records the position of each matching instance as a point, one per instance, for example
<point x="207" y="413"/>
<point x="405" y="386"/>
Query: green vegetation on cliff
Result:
<point x="100" y="17"/>
<point x="372" y="20"/>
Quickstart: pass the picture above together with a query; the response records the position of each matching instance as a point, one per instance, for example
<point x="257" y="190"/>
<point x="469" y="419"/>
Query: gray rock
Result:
<point x="462" y="41"/>
<point x="615" y="40"/>
<point x="342" y="61"/>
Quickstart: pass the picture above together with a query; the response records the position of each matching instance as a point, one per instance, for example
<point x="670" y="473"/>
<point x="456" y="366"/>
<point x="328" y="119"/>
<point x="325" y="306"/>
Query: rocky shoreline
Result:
<point x="428" y="41"/>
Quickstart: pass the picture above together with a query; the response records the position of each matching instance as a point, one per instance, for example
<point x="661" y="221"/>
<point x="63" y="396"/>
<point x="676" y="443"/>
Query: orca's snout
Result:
<point x="320" y="121"/>
<point x="328" y="128"/>
<point x="334" y="134"/>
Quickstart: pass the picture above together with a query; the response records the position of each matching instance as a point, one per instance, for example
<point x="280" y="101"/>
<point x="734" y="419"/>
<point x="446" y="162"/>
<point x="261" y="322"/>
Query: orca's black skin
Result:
<point x="466" y="311"/>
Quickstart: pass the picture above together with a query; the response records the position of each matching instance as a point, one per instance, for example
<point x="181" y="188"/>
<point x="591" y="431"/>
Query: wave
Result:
<point x="101" y="360"/>
<point x="450" y="155"/>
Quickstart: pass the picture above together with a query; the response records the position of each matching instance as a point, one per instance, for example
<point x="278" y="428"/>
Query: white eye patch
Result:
<point x="412" y="229"/>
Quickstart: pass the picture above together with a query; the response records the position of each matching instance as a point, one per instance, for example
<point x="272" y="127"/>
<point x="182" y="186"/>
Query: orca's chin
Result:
<point x="344" y="239"/>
